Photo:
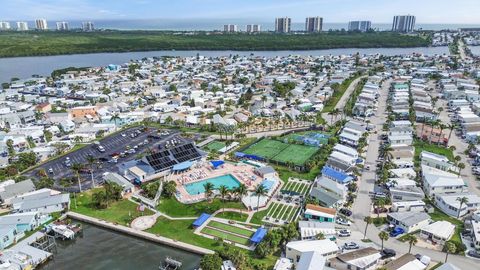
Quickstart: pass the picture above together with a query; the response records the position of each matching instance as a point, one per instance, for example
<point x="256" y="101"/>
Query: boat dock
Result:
<point x="31" y="251"/>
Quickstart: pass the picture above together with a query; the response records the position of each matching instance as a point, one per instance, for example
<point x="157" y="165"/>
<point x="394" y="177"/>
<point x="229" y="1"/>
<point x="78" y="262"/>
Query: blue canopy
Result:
<point x="182" y="166"/>
<point x="258" y="236"/>
<point x="201" y="219"/>
<point x="217" y="163"/>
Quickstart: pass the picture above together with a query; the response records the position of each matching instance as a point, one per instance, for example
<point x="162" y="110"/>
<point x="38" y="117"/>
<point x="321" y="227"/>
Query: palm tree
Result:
<point x="462" y="200"/>
<point x="223" y="193"/>
<point x="442" y="127"/>
<point x="460" y="166"/>
<point x="368" y="221"/>
<point x="450" y="127"/>
<point x="320" y="236"/>
<point x="76" y="168"/>
<point x="91" y="160"/>
<point x="115" y="117"/>
<point x="208" y="190"/>
<point x="261" y="190"/>
<point x="412" y="241"/>
<point x="449" y="248"/>
<point x="433" y="124"/>
<point x="241" y="191"/>
<point x="383" y="235"/>
<point x="379" y="203"/>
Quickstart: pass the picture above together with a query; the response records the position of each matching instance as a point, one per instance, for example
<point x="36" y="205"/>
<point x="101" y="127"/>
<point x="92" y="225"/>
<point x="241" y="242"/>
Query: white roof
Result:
<point x="345" y="149"/>
<point x="311" y="261"/>
<point x="404" y="173"/>
<point x="350" y="136"/>
<point x="438" y="178"/>
<point x="323" y="246"/>
<point x="413" y="265"/>
<point x="283" y="264"/>
<point x="442" y="229"/>
<point x="451" y="199"/>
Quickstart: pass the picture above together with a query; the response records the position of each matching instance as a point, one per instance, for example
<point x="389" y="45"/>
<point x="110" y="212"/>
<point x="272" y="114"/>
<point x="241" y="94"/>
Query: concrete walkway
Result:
<point x="343" y="100"/>
<point x="141" y="234"/>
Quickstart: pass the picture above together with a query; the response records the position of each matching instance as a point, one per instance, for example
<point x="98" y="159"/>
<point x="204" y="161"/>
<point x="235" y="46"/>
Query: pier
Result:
<point x="140" y="234"/>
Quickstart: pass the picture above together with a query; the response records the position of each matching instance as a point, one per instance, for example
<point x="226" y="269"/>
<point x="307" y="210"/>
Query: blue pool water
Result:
<point x="227" y="180"/>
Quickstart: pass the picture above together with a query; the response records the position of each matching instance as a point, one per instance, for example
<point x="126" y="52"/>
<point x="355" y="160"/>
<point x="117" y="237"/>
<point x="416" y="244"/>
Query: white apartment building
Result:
<point x="62" y="26"/>
<point x="282" y="25"/>
<point x="313" y="24"/>
<point x="4" y="26"/>
<point x="362" y="26"/>
<point x="87" y="26"/>
<point x="41" y="24"/>
<point x="231" y="28"/>
<point x="22" y="26"/>
<point x="405" y="23"/>
<point x="253" y="28"/>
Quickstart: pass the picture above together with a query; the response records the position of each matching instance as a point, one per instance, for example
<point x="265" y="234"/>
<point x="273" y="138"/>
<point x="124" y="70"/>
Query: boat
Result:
<point x="63" y="231"/>
<point x="170" y="264"/>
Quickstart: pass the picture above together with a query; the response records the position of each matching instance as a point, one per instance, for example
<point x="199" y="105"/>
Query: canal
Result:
<point x="100" y="249"/>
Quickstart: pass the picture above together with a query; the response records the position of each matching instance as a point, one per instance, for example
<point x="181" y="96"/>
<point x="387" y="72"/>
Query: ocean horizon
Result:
<point x="217" y="24"/>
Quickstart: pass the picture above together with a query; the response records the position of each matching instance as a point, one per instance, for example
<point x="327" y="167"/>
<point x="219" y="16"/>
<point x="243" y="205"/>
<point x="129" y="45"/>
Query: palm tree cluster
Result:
<point x="111" y="192"/>
<point x="238" y="192"/>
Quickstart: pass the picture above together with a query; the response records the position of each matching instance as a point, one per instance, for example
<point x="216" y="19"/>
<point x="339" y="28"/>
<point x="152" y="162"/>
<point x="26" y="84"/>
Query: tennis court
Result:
<point x="214" y="146"/>
<point x="281" y="152"/>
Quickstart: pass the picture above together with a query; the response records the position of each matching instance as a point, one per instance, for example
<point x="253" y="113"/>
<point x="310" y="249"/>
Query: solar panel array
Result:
<point x="169" y="157"/>
<point x="185" y="152"/>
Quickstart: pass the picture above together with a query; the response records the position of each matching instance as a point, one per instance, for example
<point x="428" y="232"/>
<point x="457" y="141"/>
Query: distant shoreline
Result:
<point x="32" y="43"/>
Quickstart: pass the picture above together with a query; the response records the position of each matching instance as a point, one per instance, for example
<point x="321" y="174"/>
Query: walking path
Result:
<point x="141" y="234"/>
<point x="343" y="100"/>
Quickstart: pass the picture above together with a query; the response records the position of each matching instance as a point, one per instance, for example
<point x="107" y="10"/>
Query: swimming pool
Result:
<point x="227" y="180"/>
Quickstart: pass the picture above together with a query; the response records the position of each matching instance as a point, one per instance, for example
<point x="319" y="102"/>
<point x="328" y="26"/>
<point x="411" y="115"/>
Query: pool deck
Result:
<point x="244" y="173"/>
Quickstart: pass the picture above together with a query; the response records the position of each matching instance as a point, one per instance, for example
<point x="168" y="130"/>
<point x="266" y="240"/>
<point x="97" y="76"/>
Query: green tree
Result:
<point x="383" y="235"/>
<point x="368" y="221"/>
<point x="460" y="166"/>
<point x="91" y="161"/>
<point x="11" y="149"/>
<point x="77" y="168"/>
<point x="208" y="190"/>
<point x="169" y="189"/>
<point x="261" y="190"/>
<point x="100" y="199"/>
<point x="211" y="262"/>
<point x="115" y="117"/>
<point x="320" y="236"/>
<point x="223" y="193"/>
<point x="449" y="248"/>
<point x="412" y="241"/>
<point x="462" y="200"/>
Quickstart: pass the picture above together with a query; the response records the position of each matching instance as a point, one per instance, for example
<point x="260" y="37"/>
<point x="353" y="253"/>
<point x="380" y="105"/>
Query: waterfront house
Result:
<point x="43" y="201"/>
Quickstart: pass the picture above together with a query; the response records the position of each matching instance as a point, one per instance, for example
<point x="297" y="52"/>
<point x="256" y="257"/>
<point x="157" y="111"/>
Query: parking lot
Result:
<point x="114" y="145"/>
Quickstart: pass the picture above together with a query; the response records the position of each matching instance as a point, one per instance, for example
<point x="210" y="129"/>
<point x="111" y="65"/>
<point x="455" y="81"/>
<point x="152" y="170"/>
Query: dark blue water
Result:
<point x="100" y="249"/>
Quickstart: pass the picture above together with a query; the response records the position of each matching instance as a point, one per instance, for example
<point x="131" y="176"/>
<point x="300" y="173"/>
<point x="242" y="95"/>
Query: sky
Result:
<point x="378" y="11"/>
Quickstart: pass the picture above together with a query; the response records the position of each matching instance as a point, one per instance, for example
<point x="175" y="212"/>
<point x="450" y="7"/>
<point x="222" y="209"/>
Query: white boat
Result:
<point x="63" y="231"/>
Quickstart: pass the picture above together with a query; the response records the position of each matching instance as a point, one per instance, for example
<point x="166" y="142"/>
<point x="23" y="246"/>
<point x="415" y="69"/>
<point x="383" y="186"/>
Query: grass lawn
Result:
<point x="181" y="230"/>
<point x="258" y="216"/>
<point x="440" y="150"/>
<point x="121" y="212"/>
<point x="214" y="146"/>
<point x="233" y="216"/>
<point x="266" y="148"/>
<point x="230" y="228"/>
<point x="337" y="95"/>
<point x="174" y="208"/>
<point x="298" y="154"/>
<point x="286" y="173"/>
<point x="226" y="236"/>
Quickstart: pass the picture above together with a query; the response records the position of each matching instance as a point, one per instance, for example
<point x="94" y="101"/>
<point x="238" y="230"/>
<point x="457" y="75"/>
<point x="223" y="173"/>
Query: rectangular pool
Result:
<point x="227" y="180"/>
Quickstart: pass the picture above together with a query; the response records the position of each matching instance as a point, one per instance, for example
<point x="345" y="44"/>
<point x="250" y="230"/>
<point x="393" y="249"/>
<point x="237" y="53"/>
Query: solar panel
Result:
<point x="163" y="159"/>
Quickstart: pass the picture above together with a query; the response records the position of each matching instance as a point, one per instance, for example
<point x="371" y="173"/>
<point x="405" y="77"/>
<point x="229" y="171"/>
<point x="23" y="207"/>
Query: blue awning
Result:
<point x="258" y="236"/>
<point x="217" y="163"/>
<point x="201" y="219"/>
<point x="182" y="166"/>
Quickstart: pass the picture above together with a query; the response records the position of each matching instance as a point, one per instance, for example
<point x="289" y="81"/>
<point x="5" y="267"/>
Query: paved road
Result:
<point x="366" y="184"/>
<point x="343" y="100"/>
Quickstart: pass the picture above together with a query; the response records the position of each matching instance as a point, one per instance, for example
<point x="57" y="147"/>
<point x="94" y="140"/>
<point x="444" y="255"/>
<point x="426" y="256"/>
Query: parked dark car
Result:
<point x="473" y="253"/>
<point x="380" y="210"/>
<point x="396" y="232"/>
<point x="346" y="212"/>
<point x="388" y="253"/>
